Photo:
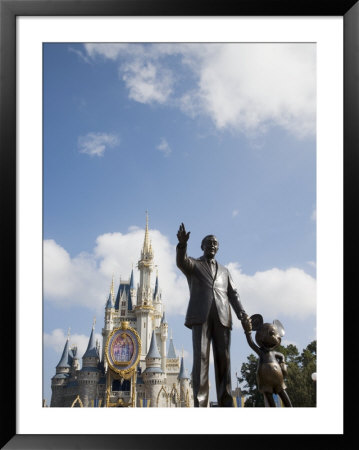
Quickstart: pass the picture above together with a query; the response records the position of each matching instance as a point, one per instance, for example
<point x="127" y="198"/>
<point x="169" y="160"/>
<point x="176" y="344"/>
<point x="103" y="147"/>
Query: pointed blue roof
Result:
<point x="132" y="283"/>
<point x="153" y="351"/>
<point x="109" y="304"/>
<point x="124" y="287"/>
<point x="182" y="374"/>
<point x="64" y="361"/>
<point x="91" y="348"/>
<point x="163" y="320"/>
<point x="171" y="350"/>
<point x="156" y="288"/>
<point x="129" y="304"/>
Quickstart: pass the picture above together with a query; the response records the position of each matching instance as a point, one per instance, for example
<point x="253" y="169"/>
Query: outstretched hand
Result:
<point x="182" y="235"/>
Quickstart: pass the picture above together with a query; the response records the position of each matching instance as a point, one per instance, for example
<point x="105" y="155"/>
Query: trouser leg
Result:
<point x="269" y="400"/>
<point x="221" y="342"/>
<point x="285" y="399"/>
<point x="201" y="346"/>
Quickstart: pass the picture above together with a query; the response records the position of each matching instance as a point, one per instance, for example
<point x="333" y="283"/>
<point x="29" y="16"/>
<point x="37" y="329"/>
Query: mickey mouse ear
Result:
<point x="257" y="322"/>
<point x="279" y="326"/>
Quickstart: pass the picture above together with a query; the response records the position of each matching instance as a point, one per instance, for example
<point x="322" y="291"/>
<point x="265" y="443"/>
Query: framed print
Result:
<point x="120" y="120"/>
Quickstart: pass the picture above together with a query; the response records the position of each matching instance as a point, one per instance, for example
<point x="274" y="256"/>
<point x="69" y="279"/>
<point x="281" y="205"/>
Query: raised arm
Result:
<point x="182" y="235"/>
<point x="182" y="260"/>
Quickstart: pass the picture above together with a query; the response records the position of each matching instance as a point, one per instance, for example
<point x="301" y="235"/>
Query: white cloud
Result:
<point x="235" y="213"/>
<point x="84" y="280"/>
<point x="276" y="293"/>
<point x="245" y="87"/>
<point x="95" y="144"/>
<point x="80" y="54"/>
<point x="147" y="82"/>
<point x="164" y="147"/>
<point x="57" y="339"/>
<point x="72" y="281"/>
<point x="251" y="86"/>
<point x="111" y="51"/>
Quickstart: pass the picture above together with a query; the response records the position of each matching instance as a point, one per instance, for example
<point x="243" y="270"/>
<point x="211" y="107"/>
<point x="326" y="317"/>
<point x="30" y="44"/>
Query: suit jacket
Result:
<point x="205" y="288"/>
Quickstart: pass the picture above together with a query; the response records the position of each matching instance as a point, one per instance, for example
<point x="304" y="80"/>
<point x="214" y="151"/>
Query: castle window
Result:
<point x="123" y="312"/>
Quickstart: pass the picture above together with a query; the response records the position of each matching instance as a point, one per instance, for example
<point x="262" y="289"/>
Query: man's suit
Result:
<point x="209" y="317"/>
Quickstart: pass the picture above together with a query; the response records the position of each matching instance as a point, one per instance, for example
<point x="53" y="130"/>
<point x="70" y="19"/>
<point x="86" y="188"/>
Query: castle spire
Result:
<point x="153" y="351"/>
<point x="112" y="291"/>
<point x="111" y="297"/>
<point x="145" y="266"/>
<point x="182" y="374"/>
<point x="64" y="361"/>
<point x="163" y="320"/>
<point x="171" y="349"/>
<point x="147" y="247"/>
<point x="132" y="283"/>
<point x="91" y="347"/>
<point x="156" y="286"/>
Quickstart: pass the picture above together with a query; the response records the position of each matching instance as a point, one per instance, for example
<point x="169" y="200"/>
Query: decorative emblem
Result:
<point x="123" y="349"/>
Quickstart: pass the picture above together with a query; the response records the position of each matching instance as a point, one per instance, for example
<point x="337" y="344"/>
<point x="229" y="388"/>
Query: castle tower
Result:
<point x="153" y="376"/>
<point x="89" y="375"/>
<point x="164" y="335"/>
<point x="73" y="361"/>
<point x="157" y="303"/>
<point x="172" y="367"/>
<point x="144" y="309"/>
<point x="60" y="379"/>
<point x="185" y="392"/>
<point x="145" y="266"/>
<point x="173" y="362"/>
<point x="132" y="289"/>
<point x="109" y="318"/>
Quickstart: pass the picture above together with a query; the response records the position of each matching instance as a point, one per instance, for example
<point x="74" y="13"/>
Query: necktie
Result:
<point x="212" y="265"/>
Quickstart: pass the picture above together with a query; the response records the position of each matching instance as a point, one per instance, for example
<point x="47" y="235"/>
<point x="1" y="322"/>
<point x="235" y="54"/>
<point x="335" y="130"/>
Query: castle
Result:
<point x="134" y="367"/>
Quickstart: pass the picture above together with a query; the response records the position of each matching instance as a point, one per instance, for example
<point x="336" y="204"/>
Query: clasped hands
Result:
<point x="246" y="322"/>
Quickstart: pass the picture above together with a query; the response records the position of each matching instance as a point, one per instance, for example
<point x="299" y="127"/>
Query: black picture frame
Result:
<point x="9" y="10"/>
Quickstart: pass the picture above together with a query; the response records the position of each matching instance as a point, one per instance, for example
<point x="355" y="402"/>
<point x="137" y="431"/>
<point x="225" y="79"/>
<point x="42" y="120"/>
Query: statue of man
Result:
<point x="212" y="291"/>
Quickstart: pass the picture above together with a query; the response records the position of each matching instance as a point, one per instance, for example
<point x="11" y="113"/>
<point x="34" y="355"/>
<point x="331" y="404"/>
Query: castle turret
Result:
<point x="172" y="362"/>
<point x="171" y="350"/>
<point x="109" y="318"/>
<point x="164" y="335"/>
<point x="145" y="266"/>
<point x="110" y="304"/>
<point x="185" y="392"/>
<point x="73" y="361"/>
<point x="144" y="309"/>
<point x="89" y="375"/>
<point x="60" y="379"/>
<point x="157" y="303"/>
<point x="153" y="376"/>
<point x="132" y="291"/>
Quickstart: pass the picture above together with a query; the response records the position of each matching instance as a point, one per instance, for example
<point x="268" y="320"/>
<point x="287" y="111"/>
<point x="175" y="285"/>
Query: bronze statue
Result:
<point x="212" y="292"/>
<point x="271" y="368"/>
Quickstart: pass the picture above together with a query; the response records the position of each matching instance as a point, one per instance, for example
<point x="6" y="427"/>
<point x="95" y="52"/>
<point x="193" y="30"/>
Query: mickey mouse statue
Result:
<point x="271" y="368"/>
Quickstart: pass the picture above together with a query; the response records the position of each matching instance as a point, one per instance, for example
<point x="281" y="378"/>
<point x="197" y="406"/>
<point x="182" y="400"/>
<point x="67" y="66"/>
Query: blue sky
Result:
<point x="218" y="136"/>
